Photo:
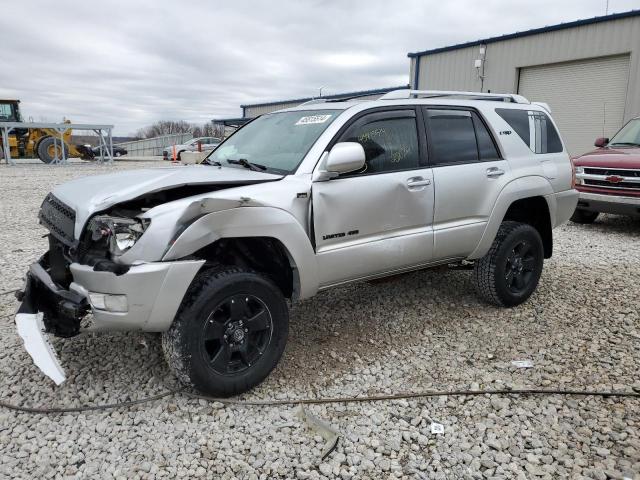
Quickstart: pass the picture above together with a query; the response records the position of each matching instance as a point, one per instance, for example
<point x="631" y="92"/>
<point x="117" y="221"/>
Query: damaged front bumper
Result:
<point x="151" y="293"/>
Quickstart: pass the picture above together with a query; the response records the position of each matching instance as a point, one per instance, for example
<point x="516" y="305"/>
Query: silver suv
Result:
<point x="295" y="202"/>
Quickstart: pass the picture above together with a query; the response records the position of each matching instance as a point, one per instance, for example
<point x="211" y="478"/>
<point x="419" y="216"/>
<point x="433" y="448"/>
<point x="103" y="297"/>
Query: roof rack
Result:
<point x="403" y="94"/>
<point x="313" y="101"/>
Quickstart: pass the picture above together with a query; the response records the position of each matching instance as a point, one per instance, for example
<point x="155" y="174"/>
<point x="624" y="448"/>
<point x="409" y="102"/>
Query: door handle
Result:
<point x="494" y="172"/>
<point x="418" y="182"/>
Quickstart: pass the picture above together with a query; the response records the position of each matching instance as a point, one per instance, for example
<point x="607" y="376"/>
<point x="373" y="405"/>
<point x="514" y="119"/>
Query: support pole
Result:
<point x="64" y="157"/>
<point x="5" y="146"/>
<point x="110" y="146"/>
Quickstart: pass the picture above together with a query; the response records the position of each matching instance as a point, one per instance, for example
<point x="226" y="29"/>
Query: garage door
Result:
<point x="587" y="97"/>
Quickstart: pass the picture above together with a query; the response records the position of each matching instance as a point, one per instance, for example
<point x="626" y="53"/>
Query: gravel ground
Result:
<point x="424" y="330"/>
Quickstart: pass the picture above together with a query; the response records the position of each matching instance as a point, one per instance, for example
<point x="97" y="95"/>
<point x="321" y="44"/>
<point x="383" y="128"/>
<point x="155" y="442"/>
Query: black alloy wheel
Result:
<point x="519" y="268"/>
<point x="229" y="332"/>
<point x="236" y="334"/>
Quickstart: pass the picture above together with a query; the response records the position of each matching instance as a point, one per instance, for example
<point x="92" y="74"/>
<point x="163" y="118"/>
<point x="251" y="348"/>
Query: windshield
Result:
<point x="277" y="141"/>
<point x="628" y="135"/>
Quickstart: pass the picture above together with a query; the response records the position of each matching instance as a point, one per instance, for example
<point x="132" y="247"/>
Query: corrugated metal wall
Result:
<point x="587" y="97"/>
<point x="454" y="69"/>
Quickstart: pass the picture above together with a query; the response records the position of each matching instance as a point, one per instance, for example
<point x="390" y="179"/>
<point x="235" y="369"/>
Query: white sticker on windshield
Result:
<point x="313" y="119"/>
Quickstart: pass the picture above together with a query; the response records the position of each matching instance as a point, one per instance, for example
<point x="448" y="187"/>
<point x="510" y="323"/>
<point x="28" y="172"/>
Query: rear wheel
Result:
<point x="509" y="273"/>
<point x="230" y="332"/>
<point x="584" y="216"/>
<point x="50" y="149"/>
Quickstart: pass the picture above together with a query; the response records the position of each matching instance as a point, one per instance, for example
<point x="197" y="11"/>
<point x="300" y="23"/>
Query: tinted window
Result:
<point x="486" y="148"/>
<point x="534" y="128"/>
<point x="389" y="144"/>
<point x="453" y="138"/>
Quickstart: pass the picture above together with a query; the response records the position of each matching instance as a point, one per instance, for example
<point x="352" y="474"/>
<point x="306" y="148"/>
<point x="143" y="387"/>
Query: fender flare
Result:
<point x="243" y="222"/>
<point x="518" y="189"/>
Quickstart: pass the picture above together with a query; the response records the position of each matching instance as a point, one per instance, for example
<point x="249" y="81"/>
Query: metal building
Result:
<point x="255" y="109"/>
<point x="588" y="71"/>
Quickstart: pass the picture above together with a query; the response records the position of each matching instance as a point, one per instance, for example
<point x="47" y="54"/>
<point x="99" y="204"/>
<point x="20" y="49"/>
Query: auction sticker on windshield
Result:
<point x="313" y="119"/>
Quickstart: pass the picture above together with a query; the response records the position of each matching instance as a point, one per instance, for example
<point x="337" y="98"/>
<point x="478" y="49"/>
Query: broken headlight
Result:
<point x="120" y="233"/>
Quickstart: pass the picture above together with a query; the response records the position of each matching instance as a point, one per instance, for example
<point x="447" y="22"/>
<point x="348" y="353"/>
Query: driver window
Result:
<point x="389" y="144"/>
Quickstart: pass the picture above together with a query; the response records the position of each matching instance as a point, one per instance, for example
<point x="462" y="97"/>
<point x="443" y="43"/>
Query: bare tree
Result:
<point x="164" y="127"/>
<point x="170" y="127"/>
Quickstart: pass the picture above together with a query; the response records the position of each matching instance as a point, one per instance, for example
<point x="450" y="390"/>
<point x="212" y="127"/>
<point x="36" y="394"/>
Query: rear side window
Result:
<point x="486" y="148"/>
<point x="459" y="136"/>
<point x="534" y="128"/>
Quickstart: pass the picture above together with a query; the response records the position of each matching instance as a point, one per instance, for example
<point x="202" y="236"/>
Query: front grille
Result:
<point x="610" y="179"/>
<point x="612" y="171"/>
<point x="607" y="184"/>
<point x="59" y="219"/>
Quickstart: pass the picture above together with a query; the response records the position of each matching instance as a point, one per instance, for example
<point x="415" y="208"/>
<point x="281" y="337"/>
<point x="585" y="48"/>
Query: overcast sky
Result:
<point x="133" y="62"/>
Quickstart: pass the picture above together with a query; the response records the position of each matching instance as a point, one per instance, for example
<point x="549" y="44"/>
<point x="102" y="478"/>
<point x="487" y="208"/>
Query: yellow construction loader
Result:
<point x="43" y="143"/>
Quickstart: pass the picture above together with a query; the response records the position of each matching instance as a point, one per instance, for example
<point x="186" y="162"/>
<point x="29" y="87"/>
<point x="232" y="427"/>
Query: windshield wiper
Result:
<point x="628" y="144"/>
<point x="215" y="163"/>
<point x="247" y="164"/>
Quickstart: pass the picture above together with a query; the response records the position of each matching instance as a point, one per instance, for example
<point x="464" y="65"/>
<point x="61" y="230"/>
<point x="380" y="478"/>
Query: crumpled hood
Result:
<point x="92" y="194"/>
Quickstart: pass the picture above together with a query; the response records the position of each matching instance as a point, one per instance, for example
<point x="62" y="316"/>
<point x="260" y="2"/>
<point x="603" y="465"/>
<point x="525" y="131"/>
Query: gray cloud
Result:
<point x="131" y="63"/>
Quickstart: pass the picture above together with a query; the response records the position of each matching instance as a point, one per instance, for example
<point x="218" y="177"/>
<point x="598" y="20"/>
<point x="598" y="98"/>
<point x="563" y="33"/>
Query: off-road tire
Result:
<point x="43" y="149"/>
<point x="183" y="342"/>
<point x="584" y="216"/>
<point x="489" y="271"/>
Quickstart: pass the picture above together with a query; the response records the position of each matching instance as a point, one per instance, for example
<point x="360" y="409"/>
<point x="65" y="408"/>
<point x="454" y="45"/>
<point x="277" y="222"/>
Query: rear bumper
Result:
<point x="565" y="202"/>
<point x="153" y="293"/>
<point x="614" y="204"/>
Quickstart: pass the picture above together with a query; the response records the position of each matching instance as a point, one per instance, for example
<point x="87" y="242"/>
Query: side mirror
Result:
<point x="345" y="157"/>
<point x="601" y="142"/>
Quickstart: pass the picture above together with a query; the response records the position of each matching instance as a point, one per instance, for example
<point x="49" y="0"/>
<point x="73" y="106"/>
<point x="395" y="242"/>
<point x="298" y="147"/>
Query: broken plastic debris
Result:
<point x="326" y="431"/>
<point x="31" y="329"/>
<point x="522" y="363"/>
<point x="437" y="428"/>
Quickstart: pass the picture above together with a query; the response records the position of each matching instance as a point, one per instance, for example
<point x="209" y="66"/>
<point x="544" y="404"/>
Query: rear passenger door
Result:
<point x="469" y="174"/>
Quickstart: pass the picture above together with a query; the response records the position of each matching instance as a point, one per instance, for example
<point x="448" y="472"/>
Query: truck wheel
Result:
<point x="229" y="333"/>
<point x="584" y="216"/>
<point x="47" y="148"/>
<point x="508" y="274"/>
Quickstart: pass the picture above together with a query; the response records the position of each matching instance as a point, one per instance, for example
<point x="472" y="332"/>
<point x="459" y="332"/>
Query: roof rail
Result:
<point x="312" y="101"/>
<point x="403" y="94"/>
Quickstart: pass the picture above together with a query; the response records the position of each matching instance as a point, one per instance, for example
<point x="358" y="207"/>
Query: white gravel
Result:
<point x="424" y="330"/>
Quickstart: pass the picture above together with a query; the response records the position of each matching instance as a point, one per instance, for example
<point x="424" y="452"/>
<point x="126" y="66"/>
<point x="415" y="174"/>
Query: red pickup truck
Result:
<point x="608" y="178"/>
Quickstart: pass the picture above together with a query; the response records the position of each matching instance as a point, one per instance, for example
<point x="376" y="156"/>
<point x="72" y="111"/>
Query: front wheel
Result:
<point x="584" y="216"/>
<point x="230" y="332"/>
<point x="509" y="273"/>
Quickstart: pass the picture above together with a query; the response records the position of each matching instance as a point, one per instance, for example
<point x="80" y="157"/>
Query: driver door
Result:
<point x="377" y="220"/>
